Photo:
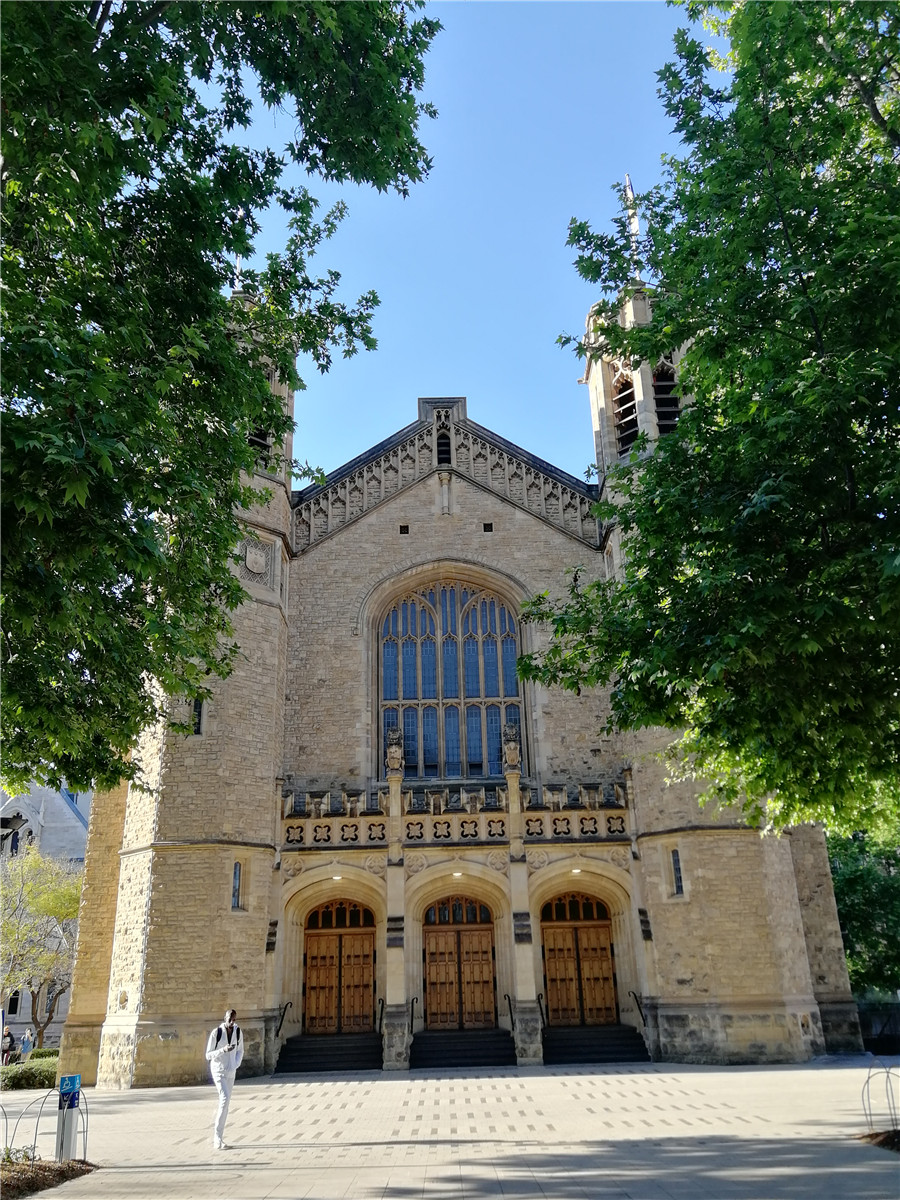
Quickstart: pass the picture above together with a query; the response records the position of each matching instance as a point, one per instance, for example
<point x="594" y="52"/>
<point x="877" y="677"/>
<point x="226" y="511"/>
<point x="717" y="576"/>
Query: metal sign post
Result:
<point x="67" y="1116"/>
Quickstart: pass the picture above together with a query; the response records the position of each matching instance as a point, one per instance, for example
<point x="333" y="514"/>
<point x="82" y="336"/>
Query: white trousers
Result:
<point x="224" y="1083"/>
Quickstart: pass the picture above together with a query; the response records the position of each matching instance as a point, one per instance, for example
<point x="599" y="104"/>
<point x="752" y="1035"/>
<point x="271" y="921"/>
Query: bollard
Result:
<point x="67" y="1117"/>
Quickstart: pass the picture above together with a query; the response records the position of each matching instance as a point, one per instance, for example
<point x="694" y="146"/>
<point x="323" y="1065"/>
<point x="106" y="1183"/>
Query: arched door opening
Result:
<point x="458" y="955"/>
<point x="579" y="967"/>
<point x="339" y="969"/>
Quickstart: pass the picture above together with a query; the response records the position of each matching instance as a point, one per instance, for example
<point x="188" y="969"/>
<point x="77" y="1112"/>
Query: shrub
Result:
<point x="47" y="1052"/>
<point x="40" y="1074"/>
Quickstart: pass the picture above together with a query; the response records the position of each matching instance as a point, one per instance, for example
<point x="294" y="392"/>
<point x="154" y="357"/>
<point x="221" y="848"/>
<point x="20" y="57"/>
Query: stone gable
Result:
<point x="444" y="440"/>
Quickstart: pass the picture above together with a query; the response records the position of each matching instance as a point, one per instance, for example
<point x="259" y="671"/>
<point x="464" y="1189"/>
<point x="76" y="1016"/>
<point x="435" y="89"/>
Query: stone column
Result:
<point x="527" y="1033"/>
<point x="444" y="478"/>
<point x="395" y="1027"/>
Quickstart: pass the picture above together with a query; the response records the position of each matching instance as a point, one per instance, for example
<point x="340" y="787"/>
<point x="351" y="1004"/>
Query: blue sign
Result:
<point x="69" y="1091"/>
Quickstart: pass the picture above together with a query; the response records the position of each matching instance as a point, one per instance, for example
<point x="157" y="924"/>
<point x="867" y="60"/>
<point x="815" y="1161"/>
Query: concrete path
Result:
<point x="654" y="1132"/>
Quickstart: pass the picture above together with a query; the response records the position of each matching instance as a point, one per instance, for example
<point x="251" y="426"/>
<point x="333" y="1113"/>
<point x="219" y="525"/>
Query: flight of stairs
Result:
<point x="593" y="1044"/>
<point x="436" y="1049"/>
<point x="331" y="1052"/>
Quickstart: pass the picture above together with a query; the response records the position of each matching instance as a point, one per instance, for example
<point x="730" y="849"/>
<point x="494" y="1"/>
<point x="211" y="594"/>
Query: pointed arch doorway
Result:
<point x="579" y="970"/>
<point x="458" y="954"/>
<point x="339" y="969"/>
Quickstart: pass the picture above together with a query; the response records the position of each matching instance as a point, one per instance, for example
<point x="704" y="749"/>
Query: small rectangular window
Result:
<point x="236" y="887"/>
<point x="404" y="529"/>
<point x="12" y="1005"/>
<point x="677" y="880"/>
<point x="197" y="717"/>
<point x="261" y="441"/>
<point x="488" y="526"/>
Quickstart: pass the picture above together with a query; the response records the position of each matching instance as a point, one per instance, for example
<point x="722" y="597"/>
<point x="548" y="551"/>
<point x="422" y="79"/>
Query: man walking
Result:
<point x="224" y="1052"/>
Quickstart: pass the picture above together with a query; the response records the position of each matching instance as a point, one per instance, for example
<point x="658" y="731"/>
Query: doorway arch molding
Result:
<point x="477" y="880"/>
<point x="610" y="884"/>
<point x="317" y="886"/>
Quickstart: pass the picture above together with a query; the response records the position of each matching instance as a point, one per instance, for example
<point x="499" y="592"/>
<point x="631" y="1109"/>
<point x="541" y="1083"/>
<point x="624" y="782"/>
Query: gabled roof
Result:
<point x="477" y="454"/>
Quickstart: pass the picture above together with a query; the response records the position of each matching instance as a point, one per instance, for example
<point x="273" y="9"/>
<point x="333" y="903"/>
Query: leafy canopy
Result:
<point x="758" y="611"/>
<point x="865" y="869"/>
<point x="132" y="377"/>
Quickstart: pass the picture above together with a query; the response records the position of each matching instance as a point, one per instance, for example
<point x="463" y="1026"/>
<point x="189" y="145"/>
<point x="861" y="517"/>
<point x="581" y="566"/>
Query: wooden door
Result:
<point x="323" y="958"/>
<point x="561" y="968"/>
<point x="476" y="973"/>
<point x="441" y="979"/>
<point x="597" y="989"/>
<point x="340" y="978"/>
<point x="357" y="979"/>
<point x="578" y="970"/>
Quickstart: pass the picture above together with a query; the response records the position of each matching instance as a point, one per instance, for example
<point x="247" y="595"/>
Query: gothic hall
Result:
<point x="385" y="850"/>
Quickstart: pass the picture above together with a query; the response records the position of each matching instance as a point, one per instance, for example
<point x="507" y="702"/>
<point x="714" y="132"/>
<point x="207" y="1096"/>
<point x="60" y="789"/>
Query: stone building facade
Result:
<point x="376" y="826"/>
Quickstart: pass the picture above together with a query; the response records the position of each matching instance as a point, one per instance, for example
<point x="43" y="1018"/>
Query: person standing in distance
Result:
<point x="26" y="1045"/>
<point x="224" y="1052"/>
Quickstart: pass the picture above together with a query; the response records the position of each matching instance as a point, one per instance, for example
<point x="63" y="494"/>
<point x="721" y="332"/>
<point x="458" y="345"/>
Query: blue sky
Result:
<point x="542" y="107"/>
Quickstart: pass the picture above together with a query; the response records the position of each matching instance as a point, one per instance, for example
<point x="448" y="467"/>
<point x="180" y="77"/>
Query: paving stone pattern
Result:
<point x="626" y="1133"/>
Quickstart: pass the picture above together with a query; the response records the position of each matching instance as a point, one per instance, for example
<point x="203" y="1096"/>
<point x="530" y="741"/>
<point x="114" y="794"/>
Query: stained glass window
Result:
<point x="428" y="680"/>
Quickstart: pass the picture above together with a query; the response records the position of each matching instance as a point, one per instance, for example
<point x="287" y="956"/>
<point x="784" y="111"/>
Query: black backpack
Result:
<point x="237" y="1030"/>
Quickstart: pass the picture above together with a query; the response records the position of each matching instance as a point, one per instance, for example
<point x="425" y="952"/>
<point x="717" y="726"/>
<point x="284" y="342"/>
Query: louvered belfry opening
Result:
<point x="665" y="397"/>
<point x="624" y="401"/>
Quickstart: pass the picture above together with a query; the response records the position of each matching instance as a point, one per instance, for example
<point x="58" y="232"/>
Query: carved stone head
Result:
<point x="394" y="756"/>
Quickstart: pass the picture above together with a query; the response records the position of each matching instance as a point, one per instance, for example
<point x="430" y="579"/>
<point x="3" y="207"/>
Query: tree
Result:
<point x="758" y="613"/>
<point x="38" y="917"/>
<point x="866" y="873"/>
<point x="136" y="398"/>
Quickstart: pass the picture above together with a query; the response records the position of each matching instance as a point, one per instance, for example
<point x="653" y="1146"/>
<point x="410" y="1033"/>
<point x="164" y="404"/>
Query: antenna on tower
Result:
<point x="633" y="224"/>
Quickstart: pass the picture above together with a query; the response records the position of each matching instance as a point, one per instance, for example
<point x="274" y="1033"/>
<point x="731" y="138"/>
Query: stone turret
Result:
<point x="177" y="921"/>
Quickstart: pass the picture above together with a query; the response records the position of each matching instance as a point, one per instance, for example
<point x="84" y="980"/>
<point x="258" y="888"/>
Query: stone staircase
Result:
<point x="436" y="1049"/>
<point x="330" y="1052"/>
<point x="593" y="1044"/>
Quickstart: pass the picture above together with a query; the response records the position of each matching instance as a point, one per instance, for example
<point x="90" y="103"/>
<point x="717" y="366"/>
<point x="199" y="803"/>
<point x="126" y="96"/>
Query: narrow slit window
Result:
<point x="236" y="886"/>
<point x="677" y="878"/>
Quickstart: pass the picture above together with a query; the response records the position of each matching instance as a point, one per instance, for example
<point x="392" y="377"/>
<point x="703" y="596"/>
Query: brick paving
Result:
<point x="649" y="1132"/>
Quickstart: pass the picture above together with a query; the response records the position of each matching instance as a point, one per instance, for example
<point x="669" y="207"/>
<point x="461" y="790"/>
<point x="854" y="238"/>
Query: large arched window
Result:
<point x="447" y="679"/>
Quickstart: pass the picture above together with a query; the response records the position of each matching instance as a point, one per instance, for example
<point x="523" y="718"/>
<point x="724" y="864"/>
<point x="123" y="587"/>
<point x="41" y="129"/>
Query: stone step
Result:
<point x="434" y="1048"/>
<point x="594" y="1044"/>
<point x="330" y="1052"/>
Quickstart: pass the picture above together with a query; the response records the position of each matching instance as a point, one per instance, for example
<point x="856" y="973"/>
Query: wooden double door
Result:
<point x="578" y="973"/>
<point x="340" y="969"/>
<point x="459" y="978"/>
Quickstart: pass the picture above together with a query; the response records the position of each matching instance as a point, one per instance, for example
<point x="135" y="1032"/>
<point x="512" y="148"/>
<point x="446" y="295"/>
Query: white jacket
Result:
<point x="222" y="1057"/>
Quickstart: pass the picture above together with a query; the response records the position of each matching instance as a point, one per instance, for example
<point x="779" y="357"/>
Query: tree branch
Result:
<point x="103" y="18"/>
<point x="866" y="93"/>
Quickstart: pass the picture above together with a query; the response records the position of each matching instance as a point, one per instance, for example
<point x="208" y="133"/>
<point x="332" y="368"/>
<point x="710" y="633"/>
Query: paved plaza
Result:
<point x="644" y="1132"/>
